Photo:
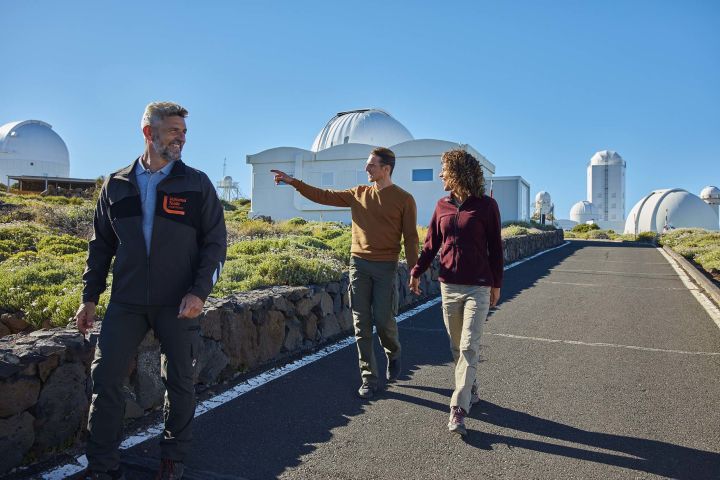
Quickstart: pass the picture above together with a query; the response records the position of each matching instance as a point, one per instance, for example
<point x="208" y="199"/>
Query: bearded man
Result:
<point x="163" y="223"/>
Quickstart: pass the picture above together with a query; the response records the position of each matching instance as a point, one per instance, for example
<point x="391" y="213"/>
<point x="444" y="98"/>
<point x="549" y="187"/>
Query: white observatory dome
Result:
<point x="681" y="208"/>
<point x="583" y="211"/>
<point x="711" y="195"/>
<point x="607" y="157"/>
<point x="31" y="147"/>
<point x="227" y="181"/>
<point x="368" y="126"/>
<point x="542" y="197"/>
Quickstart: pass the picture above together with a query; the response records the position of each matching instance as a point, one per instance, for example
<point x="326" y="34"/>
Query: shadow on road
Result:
<point x="651" y="456"/>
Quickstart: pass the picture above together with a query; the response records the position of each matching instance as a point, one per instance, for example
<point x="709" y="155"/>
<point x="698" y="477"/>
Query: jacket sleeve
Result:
<point x="494" y="243"/>
<point x="335" y="198"/>
<point x="433" y="240"/>
<point x="212" y="242"/>
<point x="101" y="249"/>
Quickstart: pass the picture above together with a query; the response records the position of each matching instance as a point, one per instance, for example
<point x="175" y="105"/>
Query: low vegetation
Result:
<point x="43" y="244"/>
<point x="698" y="245"/>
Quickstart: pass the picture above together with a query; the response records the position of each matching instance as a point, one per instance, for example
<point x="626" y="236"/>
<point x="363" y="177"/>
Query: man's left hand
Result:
<point x="191" y="306"/>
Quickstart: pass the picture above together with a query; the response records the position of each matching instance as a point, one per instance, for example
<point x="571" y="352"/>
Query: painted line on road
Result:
<point x="624" y="287"/>
<point x="80" y="463"/>
<point x="612" y="272"/>
<point x="602" y="260"/>
<point x="606" y="345"/>
<point x="708" y="305"/>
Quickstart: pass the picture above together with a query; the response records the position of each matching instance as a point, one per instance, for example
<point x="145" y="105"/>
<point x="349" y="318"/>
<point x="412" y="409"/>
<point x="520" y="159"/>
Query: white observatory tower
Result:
<point x="543" y="206"/>
<point x="711" y="196"/>
<point x="606" y="188"/>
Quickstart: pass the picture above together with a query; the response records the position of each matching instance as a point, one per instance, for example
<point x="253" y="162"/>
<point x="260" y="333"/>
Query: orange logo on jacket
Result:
<point x="174" y="205"/>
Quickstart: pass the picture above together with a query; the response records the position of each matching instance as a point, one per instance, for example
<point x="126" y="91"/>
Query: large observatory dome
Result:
<point x="32" y="147"/>
<point x="368" y="126"/>
<point x="607" y="157"/>
<point x="680" y="208"/>
<point x="583" y="211"/>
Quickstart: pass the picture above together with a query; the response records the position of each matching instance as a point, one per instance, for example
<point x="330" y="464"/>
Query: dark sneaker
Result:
<point x="457" y="420"/>
<point x="116" y="474"/>
<point x="366" y="390"/>
<point x="170" y="470"/>
<point x="474" y="395"/>
<point x="394" y="367"/>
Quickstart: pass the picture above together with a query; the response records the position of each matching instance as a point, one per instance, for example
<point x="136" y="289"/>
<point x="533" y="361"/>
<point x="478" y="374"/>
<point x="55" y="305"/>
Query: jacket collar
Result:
<point x="128" y="175"/>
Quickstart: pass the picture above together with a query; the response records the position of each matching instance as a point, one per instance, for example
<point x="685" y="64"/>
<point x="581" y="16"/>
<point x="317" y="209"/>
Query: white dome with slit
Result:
<point x="674" y="207"/>
<point x="367" y="126"/>
<point x="32" y="148"/>
<point x="607" y="157"/>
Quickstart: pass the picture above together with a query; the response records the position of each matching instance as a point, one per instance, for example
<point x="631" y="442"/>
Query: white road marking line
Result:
<point x="623" y="274"/>
<point x="624" y="287"/>
<point x="709" y="306"/>
<point x="599" y="344"/>
<point x="599" y="260"/>
<point x="80" y="463"/>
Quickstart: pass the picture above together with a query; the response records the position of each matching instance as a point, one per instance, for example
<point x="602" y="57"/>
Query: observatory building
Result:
<point x="671" y="208"/>
<point x="605" y="202"/>
<point x="337" y="159"/>
<point x="32" y="148"/>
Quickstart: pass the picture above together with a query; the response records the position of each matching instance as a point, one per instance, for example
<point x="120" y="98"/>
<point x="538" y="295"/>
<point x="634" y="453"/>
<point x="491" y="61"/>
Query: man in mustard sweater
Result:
<point x="381" y="214"/>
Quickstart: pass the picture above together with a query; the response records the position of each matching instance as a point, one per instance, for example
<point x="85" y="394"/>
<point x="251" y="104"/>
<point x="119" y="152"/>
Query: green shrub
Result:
<point x="45" y="287"/>
<point x="20" y="238"/>
<point x="341" y="245"/>
<point x="74" y="220"/>
<point x="61" y="245"/>
<point x="647" y="237"/>
<point x="598" y="235"/>
<point x="569" y="234"/>
<point x="585" y="227"/>
<point x="514" y="231"/>
<point x="297" y="221"/>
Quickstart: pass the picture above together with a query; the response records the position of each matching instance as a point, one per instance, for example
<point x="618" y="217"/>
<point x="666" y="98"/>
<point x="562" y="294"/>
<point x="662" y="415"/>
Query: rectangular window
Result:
<point x="328" y="179"/>
<point x="422" y="175"/>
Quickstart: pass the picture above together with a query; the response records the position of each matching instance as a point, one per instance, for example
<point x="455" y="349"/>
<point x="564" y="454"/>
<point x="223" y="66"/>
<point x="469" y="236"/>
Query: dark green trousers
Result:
<point x="373" y="300"/>
<point x="121" y="331"/>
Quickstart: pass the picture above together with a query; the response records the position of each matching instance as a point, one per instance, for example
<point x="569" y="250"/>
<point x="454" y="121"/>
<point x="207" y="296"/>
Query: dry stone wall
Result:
<point x="44" y="375"/>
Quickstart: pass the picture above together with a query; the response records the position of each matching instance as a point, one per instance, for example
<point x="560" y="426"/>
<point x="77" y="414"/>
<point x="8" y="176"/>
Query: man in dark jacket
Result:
<point x="163" y="223"/>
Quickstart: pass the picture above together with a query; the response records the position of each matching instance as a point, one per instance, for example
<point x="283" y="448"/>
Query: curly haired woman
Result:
<point x="465" y="228"/>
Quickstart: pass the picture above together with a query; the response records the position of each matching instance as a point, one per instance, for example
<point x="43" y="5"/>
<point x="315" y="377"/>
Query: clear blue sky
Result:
<point x="536" y="86"/>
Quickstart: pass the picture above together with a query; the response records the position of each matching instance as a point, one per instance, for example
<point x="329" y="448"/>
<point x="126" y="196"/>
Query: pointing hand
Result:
<point x="281" y="176"/>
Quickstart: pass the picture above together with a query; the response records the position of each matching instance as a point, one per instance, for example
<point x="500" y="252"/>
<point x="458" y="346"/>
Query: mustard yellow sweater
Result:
<point x="379" y="218"/>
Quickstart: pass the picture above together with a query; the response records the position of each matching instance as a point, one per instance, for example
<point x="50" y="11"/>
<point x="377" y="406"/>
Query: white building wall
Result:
<point x="606" y="190"/>
<point x="342" y="167"/>
<point x="513" y="197"/>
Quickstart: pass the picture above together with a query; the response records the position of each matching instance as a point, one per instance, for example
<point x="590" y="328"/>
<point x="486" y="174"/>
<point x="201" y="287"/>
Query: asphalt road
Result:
<point x="598" y="363"/>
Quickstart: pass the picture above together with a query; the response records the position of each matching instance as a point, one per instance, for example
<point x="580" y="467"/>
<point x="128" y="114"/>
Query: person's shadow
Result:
<point x="651" y="456"/>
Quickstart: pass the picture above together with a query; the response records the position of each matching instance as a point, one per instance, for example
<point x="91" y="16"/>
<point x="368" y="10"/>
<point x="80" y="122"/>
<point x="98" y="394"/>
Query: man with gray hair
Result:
<point x="163" y="223"/>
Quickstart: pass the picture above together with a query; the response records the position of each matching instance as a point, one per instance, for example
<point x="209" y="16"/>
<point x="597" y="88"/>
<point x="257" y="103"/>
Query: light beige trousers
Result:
<point x="465" y="309"/>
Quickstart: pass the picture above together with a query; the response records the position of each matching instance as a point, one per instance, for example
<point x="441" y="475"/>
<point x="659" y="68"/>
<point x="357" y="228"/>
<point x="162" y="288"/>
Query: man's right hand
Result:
<point x="281" y="176"/>
<point x="415" y="285"/>
<point x="85" y="317"/>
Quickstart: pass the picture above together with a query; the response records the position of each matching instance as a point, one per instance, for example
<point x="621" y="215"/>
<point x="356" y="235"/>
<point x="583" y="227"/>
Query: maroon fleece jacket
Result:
<point x="468" y="238"/>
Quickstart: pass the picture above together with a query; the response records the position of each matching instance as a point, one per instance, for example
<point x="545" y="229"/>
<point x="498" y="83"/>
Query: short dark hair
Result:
<point x="386" y="156"/>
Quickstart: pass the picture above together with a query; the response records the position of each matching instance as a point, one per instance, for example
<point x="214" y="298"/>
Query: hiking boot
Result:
<point x="116" y="474"/>
<point x="474" y="395"/>
<point x="366" y="390"/>
<point x="457" y="420"/>
<point x="394" y="367"/>
<point x="170" y="470"/>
